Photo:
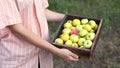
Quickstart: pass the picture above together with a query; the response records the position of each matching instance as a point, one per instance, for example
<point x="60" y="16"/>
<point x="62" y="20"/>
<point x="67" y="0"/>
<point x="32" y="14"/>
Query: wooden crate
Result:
<point x="81" y="52"/>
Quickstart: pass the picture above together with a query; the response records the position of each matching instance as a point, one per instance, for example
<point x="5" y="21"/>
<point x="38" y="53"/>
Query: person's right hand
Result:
<point x="67" y="55"/>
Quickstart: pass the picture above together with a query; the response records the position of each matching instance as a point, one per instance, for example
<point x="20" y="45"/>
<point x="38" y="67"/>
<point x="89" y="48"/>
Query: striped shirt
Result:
<point x="15" y="52"/>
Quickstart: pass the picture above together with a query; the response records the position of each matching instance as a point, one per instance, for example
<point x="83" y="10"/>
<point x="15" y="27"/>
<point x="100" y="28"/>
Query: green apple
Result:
<point x="75" y="45"/>
<point x="74" y="38"/>
<point x="88" y="44"/>
<point x="68" y="42"/>
<point x="64" y="37"/>
<point x="84" y="21"/>
<point x="66" y="30"/>
<point x="58" y="41"/>
<point x="79" y="27"/>
<point x="83" y="32"/>
<point x="69" y="21"/>
<point x="87" y="27"/>
<point x="67" y="25"/>
<point x="90" y="36"/>
<point x="76" y="22"/>
<point x="81" y="41"/>
<point x="92" y="23"/>
<point x="82" y="47"/>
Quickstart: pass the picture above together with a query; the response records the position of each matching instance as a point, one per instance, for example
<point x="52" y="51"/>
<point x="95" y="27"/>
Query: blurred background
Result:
<point x="107" y="52"/>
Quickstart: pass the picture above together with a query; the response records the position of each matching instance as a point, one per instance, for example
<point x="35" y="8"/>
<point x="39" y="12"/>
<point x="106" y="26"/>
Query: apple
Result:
<point x="82" y="47"/>
<point x="69" y="21"/>
<point x="96" y="27"/>
<point x="75" y="45"/>
<point x="58" y="41"/>
<point x="83" y="32"/>
<point x="66" y="30"/>
<point x="64" y="37"/>
<point x="90" y="36"/>
<point x="79" y="27"/>
<point x="68" y="42"/>
<point x="67" y="25"/>
<point x="92" y="23"/>
<point x="74" y="32"/>
<point x="76" y="22"/>
<point x="74" y="38"/>
<point x="81" y="41"/>
<point x="72" y="28"/>
<point x="92" y="31"/>
<point x="87" y="27"/>
<point x="88" y="44"/>
<point x="84" y="21"/>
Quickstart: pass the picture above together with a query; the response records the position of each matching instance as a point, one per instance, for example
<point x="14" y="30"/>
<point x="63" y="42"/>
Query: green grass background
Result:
<point x="107" y="53"/>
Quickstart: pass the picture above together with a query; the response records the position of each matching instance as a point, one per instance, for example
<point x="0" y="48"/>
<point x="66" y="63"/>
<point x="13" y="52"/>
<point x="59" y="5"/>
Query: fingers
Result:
<point x="74" y="57"/>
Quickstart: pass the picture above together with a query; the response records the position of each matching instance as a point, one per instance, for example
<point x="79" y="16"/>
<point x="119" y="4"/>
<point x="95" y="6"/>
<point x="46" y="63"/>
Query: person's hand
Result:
<point x="67" y="55"/>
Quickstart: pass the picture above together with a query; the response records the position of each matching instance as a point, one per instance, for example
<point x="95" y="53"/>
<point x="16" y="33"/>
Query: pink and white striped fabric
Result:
<point x="16" y="52"/>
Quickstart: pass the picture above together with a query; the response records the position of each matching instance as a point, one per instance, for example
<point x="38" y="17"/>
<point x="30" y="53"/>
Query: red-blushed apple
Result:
<point x="74" y="32"/>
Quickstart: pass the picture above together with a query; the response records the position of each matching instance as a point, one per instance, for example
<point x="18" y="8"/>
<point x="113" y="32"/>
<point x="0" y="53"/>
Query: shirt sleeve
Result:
<point x="9" y="13"/>
<point x="45" y="3"/>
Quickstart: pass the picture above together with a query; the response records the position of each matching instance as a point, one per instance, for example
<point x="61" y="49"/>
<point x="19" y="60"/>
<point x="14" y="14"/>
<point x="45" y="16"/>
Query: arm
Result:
<point x="37" y="41"/>
<point x="53" y="16"/>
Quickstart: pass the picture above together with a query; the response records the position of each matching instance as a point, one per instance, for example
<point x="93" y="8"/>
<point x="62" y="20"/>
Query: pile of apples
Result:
<point x="78" y="33"/>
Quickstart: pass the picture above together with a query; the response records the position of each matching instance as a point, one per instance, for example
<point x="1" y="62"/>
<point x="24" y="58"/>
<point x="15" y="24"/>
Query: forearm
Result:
<point x="53" y="16"/>
<point x="33" y="38"/>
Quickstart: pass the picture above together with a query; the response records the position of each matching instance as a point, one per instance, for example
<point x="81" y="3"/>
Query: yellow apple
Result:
<point x="68" y="42"/>
<point x="96" y="27"/>
<point x="84" y="21"/>
<point x="64" y="37"/>
<point x="74" y="38"/>
<point x="67" y="25"/>
<point x="92" y="23"/>
<point x="87" y="27"/>
<point x="72" y="28"/>
<point x="79" y="27"/>
<point x="66" y="30"/>
<point x="76" y="22"/>
<point x="83" y="32"/>
<point x="58" y="41"/>
<point x="69" y="21"/>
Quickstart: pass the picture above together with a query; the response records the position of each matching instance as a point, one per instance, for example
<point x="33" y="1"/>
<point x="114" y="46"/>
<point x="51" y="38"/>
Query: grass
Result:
<point x="108" y="47"/>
